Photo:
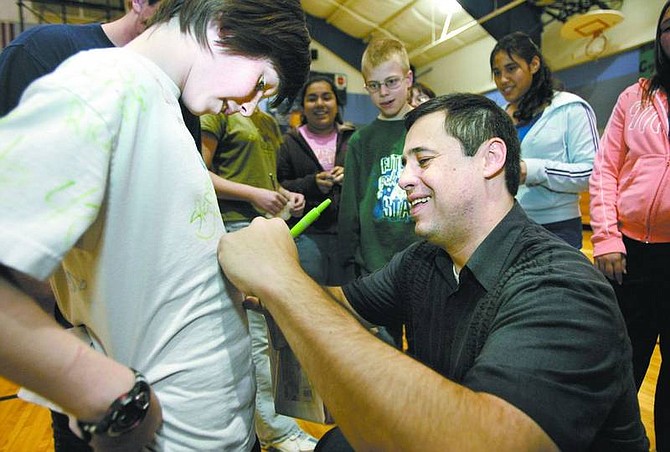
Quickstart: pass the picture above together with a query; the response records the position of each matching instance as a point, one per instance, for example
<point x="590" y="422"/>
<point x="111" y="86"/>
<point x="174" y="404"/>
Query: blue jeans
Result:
<point x="319" y="258"/>
<point x="270" y="426"/>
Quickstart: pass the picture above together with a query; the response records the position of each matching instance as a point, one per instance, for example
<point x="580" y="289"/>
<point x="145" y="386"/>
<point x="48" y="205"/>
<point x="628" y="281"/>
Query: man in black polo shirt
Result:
<point x="517" y="340"/>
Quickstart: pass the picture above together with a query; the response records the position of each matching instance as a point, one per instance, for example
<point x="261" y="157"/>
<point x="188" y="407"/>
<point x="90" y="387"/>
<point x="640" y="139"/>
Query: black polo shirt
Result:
<point x="530" y="321"/>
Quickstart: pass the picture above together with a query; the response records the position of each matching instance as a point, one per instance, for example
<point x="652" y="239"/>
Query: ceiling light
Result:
<point x="448" y="6"/>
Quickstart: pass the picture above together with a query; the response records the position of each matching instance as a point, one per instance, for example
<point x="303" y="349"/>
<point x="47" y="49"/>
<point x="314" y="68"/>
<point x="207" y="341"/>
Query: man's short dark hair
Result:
<point x="472" y="119"/>
<point x="273" y="29"/>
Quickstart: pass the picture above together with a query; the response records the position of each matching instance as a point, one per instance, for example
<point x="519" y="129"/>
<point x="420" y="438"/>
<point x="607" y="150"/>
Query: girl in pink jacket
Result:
<point x="630" y="217"/>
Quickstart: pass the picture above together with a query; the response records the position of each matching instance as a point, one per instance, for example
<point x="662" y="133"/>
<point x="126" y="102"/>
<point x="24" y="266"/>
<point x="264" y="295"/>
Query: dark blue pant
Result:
<point x="333" y="441"/>
<point x="644" y="299"/>
<point x="568" y="230"/>
<point x="64" y="439"/>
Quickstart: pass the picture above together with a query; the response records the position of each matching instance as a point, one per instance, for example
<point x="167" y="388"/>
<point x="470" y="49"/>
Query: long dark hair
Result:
<point x="320" y="78"/>
<point x="541" y="90"/>
<point x="661" y="77"/>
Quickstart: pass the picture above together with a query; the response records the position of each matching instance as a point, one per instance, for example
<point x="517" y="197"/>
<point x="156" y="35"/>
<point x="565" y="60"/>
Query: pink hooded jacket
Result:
<point x="630" y="183"/>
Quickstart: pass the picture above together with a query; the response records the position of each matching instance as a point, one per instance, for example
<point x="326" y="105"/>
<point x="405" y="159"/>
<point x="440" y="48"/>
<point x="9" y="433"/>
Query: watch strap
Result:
<point x="124" y="414"/>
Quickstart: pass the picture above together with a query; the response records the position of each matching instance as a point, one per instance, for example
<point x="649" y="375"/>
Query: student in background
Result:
<point x="311" y="162"/>
<point x="420" y="94"/>
<point x="630" y="217"/>
<point x="38" y="50"/>
<point x="517" y="341"/>
<point x="241" y="154"/>
<point x="121" y="214"/>
<point x="558" y="136"/>
<point x="374" y="220"/>
<point x="374" y="215"/>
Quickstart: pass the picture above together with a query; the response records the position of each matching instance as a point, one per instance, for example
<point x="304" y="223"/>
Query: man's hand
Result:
<point x="612" y="265"/>
<point x="259" y="256"/>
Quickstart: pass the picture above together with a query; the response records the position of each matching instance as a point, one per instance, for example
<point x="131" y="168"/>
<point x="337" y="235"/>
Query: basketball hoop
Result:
<point x="592" y="25"/>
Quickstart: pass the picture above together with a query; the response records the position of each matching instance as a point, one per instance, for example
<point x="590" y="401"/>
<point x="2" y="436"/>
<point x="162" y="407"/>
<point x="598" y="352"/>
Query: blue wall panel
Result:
<point x="360" y="110"/>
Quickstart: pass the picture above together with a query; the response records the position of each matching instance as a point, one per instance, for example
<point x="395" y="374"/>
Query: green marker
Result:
<point x="308" y="219"/>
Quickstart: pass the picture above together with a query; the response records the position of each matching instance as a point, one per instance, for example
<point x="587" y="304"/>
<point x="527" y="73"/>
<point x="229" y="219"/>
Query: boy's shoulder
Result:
<point x="106" y="79"/>
<point x="65" y="39"/>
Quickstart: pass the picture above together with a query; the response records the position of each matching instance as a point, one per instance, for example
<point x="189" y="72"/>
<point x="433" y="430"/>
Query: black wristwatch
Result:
<point x="124" y="414"/>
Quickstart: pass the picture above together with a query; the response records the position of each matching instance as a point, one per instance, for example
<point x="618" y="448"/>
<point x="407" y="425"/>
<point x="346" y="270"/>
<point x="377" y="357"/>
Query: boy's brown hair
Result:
<point x="382" y="50"/>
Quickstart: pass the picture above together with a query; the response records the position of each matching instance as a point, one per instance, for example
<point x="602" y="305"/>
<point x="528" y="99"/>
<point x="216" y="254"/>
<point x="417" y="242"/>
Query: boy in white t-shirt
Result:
<point x="103" y="190"/>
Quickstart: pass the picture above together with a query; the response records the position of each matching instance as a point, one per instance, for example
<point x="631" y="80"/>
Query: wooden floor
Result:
<point x="646" y="396"/>
<point x="25" y="427"/>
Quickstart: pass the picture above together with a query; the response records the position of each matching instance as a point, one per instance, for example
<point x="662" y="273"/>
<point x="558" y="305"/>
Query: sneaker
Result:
<point x="298" y="442"/>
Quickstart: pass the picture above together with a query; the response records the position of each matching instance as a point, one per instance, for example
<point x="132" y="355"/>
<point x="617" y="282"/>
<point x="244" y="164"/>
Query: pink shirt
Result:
<point x="630" y="183"/>
<point x="323" y="146"/>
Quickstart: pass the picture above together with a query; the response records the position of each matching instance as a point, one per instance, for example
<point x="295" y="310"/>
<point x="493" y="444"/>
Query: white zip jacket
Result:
<point x="558" y="150"/>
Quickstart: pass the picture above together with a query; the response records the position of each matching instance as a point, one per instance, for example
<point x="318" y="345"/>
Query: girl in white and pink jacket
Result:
<point x="630" y="217"/>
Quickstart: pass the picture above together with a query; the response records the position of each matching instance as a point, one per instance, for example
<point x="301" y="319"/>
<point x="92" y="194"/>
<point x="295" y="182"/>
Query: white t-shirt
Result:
<point x="102" y="186"/>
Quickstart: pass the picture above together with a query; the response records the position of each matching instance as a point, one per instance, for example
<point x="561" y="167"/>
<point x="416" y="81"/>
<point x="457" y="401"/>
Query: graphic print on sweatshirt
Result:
<point x="644" y="118"/>
<point x="392" y="202"/>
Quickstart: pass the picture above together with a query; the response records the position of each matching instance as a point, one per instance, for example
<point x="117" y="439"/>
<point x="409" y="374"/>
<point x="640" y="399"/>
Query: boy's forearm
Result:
<point x="232" y="191"/>
<point x="39" y="354"/>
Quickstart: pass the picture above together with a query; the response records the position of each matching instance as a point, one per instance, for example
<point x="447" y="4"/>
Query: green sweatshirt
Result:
<point x="374" y="220"/>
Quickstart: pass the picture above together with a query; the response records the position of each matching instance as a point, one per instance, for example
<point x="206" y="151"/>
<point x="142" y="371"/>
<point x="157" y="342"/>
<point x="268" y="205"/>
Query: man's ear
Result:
<point x="495" y="156"/>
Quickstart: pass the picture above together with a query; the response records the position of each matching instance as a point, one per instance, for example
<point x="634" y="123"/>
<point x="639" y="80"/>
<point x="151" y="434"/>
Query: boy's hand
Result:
<point x="253" y="304"/>
<point x="269" y="201"/>
<point x="298" y="205"/>
<point x="296" y="202"/>
<point x="134" y="440"/>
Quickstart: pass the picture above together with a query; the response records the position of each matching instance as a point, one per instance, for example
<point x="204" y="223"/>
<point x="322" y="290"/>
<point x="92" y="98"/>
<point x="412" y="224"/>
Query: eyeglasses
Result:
<point x="392" y="83"/>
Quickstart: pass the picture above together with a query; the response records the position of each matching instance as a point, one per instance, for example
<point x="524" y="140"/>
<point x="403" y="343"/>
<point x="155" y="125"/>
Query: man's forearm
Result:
<point x="382" y="399"/>
<point x="337" y="294"/>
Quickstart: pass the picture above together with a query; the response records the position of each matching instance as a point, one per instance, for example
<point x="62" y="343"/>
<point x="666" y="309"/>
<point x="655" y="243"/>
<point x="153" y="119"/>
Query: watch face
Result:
<point x="132" y="411"/>
<point x="125" y="413"/>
